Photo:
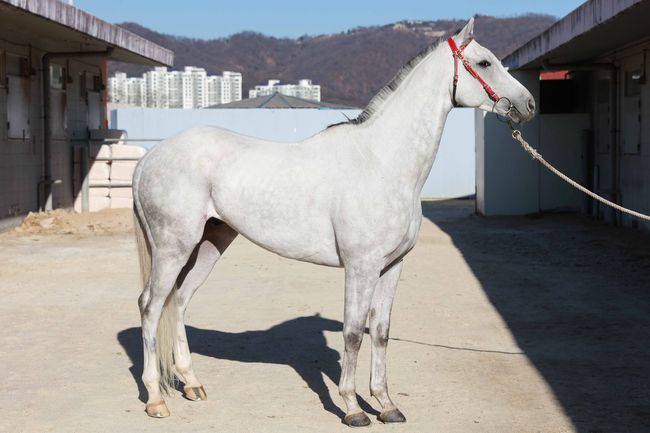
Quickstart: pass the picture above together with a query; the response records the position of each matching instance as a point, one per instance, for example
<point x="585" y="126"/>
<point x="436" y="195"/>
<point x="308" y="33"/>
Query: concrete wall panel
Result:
<point x="452" y="175"/>
<point x="508" y="179"/>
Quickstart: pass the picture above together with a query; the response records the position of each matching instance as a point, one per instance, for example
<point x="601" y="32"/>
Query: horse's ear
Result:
<point x="467" y="33"/>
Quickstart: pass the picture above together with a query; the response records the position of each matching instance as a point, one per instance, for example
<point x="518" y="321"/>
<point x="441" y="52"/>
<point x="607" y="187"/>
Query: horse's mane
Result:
<point x="392" y="85"/>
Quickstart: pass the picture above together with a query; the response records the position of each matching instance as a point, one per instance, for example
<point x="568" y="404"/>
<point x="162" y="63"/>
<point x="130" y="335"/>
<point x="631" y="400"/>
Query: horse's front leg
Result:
<point x="360" y="282"/>
<point x="380" y="308"/>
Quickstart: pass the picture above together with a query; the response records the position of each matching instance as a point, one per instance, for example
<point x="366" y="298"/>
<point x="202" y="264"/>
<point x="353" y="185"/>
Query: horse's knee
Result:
<point x="353" y="338"/>
<point x="380" y="337"/>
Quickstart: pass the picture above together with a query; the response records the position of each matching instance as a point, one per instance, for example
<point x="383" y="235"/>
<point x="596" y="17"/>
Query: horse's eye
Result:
<point x="484" y="64"/>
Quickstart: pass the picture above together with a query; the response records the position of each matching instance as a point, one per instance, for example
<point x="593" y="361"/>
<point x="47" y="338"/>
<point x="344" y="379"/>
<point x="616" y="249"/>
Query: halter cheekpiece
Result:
<point x="458" y="55"/>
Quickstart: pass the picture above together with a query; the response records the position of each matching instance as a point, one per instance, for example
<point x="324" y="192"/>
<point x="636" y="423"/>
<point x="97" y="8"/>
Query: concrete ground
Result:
<point x="500" y="325"/>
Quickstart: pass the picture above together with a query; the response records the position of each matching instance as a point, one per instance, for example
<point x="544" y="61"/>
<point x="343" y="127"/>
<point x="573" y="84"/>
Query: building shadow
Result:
<point x="574" y="294"/>
<point x="299" y="343"/>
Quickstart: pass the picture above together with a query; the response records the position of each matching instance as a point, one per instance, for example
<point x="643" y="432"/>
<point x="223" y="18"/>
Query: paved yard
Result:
<point x="500" y="325"/>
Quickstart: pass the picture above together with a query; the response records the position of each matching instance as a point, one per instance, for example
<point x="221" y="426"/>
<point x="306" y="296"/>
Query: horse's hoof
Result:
<point x="157" y="409"/>
<point x="357" y="420"/>
<point x="195" y="393"/>
<point x="393" y="415"/>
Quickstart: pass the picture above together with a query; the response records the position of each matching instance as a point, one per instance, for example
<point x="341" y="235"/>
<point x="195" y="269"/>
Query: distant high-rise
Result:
<point x="304" y="89"/>
<point x="189" y="88"/>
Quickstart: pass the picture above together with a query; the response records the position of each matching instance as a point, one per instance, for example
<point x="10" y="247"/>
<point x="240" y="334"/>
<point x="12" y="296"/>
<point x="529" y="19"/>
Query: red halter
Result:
<point x="458" y="55"/>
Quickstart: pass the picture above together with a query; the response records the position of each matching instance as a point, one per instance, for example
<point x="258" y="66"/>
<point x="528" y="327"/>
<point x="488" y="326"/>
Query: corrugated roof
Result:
<point x="58" y="23"/>
<point x="278" y="100"/>
<point x="594" y="29"/>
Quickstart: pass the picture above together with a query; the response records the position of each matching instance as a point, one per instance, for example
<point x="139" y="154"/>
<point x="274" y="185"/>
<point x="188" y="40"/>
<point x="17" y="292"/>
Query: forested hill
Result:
<point x="350" y="66"/>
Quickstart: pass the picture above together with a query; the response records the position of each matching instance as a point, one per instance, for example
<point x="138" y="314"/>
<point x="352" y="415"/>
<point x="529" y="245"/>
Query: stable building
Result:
<point x="53" y="74"/>
<point x="588" y="73"/>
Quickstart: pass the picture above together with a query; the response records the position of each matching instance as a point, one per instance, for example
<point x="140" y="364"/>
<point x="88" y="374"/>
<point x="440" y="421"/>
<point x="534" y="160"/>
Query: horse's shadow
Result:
<point x="298" y="343"/>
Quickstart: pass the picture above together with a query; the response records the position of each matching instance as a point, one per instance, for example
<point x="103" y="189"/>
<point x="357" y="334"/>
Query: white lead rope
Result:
<point x="516" y="134"/>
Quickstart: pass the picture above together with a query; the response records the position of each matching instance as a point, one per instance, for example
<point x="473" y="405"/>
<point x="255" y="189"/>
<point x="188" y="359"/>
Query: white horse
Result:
<point x="346" y="197"/>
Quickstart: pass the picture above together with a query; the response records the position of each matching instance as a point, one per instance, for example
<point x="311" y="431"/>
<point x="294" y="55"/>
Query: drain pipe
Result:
<point x="46" y="182"/>
<point x="613" y="70"/>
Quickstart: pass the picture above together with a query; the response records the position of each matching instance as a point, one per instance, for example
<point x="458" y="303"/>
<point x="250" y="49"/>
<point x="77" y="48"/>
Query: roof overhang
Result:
<point x="593" y="30"/>
<point x="52" y="25"/>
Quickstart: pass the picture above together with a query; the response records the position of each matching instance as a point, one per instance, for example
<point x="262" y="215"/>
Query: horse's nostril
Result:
<point x="531" y="105"/>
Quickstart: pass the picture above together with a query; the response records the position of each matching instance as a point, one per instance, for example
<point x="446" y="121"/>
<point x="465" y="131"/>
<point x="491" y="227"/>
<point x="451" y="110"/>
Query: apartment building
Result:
<point x="305" y="89"/>
<point x="190" y="88"/>
<point x="156" y="87"/>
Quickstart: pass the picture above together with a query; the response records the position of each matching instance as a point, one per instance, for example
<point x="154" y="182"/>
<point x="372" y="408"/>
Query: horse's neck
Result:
<point x="404" y="133"/>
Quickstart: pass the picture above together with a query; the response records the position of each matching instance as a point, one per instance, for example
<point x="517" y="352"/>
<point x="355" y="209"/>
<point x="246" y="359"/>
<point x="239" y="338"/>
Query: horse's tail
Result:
<point x="166" y="333"/>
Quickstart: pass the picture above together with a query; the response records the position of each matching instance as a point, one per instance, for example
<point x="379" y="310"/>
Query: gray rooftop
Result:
<point x="58" y="26"/>
<point x="278" y="100"/>
<point x="594" y="29"/>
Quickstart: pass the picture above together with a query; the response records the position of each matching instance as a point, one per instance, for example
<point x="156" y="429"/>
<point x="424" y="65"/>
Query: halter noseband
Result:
<point x="458" y="55"/>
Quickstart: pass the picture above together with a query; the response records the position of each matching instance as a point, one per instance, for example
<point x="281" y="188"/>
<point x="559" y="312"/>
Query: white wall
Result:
<point x="284" y="125"/>
<point x="452" y="175"/>
<point x="507" y="180"/>
<point x="454" y="171"/>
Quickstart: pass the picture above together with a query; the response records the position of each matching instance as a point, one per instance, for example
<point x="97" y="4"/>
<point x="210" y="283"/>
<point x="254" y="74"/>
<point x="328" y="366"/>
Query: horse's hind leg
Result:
<point x="380" y="308"/>
<point x="166" y="266"/>
<point x="217" y="236"/>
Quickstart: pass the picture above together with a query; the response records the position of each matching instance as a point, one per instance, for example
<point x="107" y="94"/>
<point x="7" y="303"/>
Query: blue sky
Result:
<point x="292" y="18"/>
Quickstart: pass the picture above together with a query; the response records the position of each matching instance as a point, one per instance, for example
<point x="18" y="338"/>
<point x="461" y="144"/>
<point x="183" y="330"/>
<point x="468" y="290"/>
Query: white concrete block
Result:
<point x="126" y="151"/>
<point x="99" y="203"/>
<point x="121" y="193"/>
<point x="99" y="170"/>
<point x="121" y="203"/>
<point x="100" y="151"/>
<point x="99" y="192"/>
<point x="122" y="170"/>
<point x="95" y="204"/>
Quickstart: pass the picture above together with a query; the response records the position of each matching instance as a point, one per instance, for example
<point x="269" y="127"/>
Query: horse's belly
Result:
<point x="300" y="242"/>
<point x="295" y="232"/>
<point x="319" y="254"/>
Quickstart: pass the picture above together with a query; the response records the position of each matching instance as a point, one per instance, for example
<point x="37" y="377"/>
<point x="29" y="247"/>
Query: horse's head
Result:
<point x="499" y="92"/>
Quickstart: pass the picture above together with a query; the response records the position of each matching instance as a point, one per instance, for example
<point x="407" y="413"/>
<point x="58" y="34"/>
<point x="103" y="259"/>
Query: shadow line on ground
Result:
<point x="573" y="293"/>
<point x="299" y="343"/>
